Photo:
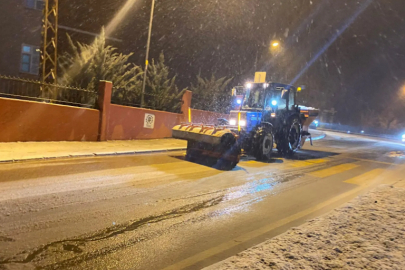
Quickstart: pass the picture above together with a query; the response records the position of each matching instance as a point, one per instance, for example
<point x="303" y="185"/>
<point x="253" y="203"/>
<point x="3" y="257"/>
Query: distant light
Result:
<point x="299" y="89"/>
<point x="232" y="122"/>
<point x="242" y="123"/>
<point x="248" y="85"/>
<point x="239" y="101"/>
<point x="273" y="115"/>
<point x="362" y="132"/>
<point x="316" y="122"/>
<point x="348" y="131"/>
<point x="274" y="102"/>
<point x="275" y="44"/>
<point x="403" y="136"/>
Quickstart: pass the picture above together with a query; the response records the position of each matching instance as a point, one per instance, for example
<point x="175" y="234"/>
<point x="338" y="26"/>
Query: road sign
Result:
<point x="260" y="77"/>
<point x="149" y="121"/>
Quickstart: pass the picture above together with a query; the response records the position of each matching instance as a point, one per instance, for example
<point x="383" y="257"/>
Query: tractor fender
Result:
<point x="267" y="125"/>
<point x="295" y="115"/>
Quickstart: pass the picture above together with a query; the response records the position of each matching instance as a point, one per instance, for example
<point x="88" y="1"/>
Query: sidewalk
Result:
<point x="20" y="151"/>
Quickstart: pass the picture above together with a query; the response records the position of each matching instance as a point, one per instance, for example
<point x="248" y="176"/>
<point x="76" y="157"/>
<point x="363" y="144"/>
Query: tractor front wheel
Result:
<point x="263" y="144"/>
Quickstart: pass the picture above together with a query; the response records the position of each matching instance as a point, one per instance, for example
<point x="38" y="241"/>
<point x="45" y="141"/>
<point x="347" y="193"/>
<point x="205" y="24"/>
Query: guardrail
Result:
<point x="358" y="131"/>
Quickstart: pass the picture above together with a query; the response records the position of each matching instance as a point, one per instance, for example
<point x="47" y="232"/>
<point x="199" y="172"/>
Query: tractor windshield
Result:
<point x="254" y="98"/>
<point x="274" y="100"/>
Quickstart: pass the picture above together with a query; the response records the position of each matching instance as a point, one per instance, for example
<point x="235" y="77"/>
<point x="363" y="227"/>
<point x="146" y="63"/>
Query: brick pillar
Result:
<point x="186" y="104"/>
<point x="103" y="103"/>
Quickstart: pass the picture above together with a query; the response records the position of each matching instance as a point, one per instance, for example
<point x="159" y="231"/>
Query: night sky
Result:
<point x="349" y="54"/>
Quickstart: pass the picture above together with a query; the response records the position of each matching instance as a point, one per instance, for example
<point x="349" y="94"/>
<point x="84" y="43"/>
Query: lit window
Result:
<point x="29" y="59"/>
<point x="40" y="4"/>
<point x="26" y="49"/>
<point x="35" y="4"/>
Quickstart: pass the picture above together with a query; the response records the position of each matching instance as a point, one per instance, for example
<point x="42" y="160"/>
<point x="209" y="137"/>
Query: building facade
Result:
<point x="20" y="37"/>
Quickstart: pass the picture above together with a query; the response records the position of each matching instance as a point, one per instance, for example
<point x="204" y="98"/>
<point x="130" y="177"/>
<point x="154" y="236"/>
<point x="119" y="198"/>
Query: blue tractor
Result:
<point x="268" y="116"/>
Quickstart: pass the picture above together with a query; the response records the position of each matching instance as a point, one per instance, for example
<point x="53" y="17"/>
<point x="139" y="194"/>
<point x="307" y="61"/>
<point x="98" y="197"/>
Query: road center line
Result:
<point x="256" y="233"/>
<point x="364" y="178"/>
<point x="373" y="177"/>
<point x="334" y="170"/>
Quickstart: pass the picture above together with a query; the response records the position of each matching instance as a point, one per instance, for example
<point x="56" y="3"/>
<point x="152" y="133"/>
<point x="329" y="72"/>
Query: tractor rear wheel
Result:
<point x="291" y="138"/>
<point x="263" y="144"/>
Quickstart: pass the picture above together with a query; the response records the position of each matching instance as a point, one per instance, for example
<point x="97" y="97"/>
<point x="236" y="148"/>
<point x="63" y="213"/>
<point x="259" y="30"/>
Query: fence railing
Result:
<point x="153" y="102"/>
<point x="25" y="89"/>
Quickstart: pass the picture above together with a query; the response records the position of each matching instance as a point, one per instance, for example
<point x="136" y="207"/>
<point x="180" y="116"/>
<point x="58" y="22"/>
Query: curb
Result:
<point x="101" y="154"/>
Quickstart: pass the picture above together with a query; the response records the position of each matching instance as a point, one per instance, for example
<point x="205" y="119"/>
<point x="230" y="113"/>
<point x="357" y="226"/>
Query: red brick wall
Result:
<point x="34" y="121"/>
<point x="22" y="120"/>
<point x="206" y="117"/>
<point x="127" y="123"/>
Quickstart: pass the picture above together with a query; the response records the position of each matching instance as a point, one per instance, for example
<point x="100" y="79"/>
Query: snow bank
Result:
<point x="367" y="233"/>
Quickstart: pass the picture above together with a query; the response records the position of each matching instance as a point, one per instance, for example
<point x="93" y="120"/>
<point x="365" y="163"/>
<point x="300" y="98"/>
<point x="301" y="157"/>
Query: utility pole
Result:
<point x="49" y="53"/>
<point x="147" y="54"/>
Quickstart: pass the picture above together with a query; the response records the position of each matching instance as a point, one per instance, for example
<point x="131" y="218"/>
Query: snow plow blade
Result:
<point x="211" y="145"/>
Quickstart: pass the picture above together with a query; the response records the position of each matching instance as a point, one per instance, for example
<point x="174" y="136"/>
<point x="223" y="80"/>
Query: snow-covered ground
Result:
<point x="367" y="233"/>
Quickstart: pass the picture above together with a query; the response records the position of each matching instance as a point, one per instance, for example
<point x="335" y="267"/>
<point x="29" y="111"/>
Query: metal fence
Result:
<point x="25" y="89"/>
<point x="153" y="102"/>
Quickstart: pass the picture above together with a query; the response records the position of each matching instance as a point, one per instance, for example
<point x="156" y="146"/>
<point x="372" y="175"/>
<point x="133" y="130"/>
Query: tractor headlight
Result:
<point x="274" y="102"/>
<point x="242" y="123"/>
<point x="232" y="122"/>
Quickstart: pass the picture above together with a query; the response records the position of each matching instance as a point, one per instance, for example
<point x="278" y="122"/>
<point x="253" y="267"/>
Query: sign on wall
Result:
<point x="149" y="121"/>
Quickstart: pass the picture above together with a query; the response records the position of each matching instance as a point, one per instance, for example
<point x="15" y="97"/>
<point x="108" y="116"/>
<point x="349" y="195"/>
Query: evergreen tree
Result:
<point x="86" y="65"/>
<point x="161" y="92"/>
<point x="212" y="94"/>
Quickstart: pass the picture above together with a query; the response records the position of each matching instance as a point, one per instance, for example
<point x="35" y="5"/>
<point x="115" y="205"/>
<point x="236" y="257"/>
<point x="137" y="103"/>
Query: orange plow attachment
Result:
<point x="211" y="145"/>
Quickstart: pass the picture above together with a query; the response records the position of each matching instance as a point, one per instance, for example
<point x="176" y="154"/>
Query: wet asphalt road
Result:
<point x="161" y="212"/>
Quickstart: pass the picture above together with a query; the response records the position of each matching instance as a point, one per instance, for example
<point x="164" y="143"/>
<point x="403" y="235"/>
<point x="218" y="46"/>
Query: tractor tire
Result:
<point x="225" y="165"/>
<point x="263" y="144"/>
<point x="291" y="138"/>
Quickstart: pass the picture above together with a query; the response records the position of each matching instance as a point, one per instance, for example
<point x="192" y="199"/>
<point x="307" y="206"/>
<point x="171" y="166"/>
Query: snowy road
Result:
<point x="161" y="212"/>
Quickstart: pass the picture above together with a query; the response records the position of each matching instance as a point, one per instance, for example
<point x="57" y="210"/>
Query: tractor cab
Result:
<point x="263" y="102"/>
<point x="269" y="97"/>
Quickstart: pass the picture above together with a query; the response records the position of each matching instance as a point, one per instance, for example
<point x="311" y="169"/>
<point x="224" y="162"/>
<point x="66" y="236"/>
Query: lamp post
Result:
<point x="147" y="54"/>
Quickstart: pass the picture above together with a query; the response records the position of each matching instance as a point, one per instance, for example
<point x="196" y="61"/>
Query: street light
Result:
<point x="147" y="54"/>
<point x="275" y="44"/>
